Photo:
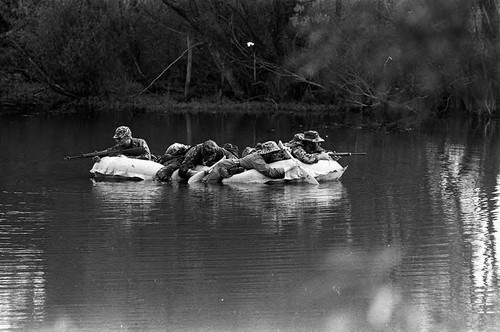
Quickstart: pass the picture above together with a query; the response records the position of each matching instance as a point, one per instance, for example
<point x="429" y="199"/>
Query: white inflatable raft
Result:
<point x="323" y="170"/>
<point x="124" y="168"/>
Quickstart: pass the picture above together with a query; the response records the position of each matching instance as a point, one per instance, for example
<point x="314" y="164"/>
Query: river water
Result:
<point x="406" y="240"/>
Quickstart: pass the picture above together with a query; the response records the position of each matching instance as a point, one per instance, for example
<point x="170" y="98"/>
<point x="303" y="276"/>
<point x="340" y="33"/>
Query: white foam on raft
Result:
<point x="122" y="167"/>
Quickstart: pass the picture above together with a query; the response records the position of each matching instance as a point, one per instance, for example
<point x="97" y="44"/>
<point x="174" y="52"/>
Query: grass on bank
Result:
<point x="25" y="98"/>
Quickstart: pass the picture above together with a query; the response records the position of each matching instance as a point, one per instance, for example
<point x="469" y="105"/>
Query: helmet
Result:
<point x="176" y="148"/>
<point x="208" y="148"/>
<point x="311" y="136"/>
<point x="248" y="150"/>
<point x="122" y="132"/>
<point x="231" y="148"/>
<point x="269" y="147"/>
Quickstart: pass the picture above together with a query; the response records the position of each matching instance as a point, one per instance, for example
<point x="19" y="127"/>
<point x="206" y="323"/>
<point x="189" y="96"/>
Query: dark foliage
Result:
<point x="400" y="58"/>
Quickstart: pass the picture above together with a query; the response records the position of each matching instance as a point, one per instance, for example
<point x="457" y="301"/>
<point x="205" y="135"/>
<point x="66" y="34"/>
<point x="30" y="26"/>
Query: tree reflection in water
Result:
<point x="22" y="264"/>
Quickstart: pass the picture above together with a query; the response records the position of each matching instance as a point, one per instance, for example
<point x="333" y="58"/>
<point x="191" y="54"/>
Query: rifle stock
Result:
<point x="104" y="153"/>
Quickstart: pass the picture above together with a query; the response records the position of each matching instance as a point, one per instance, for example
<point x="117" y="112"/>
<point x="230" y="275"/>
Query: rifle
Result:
<point x="201" y="174"/>
<point x="109" y="152"/>
<point x="347" y="154"/>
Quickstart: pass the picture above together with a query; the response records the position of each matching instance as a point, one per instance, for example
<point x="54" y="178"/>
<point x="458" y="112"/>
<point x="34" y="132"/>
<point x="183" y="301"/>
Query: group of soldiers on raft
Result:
<point x="184" y="158"/>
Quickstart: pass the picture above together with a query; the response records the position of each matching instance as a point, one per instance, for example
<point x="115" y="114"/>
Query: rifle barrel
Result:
<point x="346" y="154"/>
<point x="73" y="157"/>
<point x="103" y="153"/>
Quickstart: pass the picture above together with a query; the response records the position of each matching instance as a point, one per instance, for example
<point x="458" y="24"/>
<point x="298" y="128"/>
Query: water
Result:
<point x="406" y="240"/>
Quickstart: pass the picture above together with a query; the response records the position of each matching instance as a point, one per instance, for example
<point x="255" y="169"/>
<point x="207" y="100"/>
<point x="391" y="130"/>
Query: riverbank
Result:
<point x="25" y="99"/>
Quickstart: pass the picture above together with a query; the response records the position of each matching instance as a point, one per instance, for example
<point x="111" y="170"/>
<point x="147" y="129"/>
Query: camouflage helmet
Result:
<point x="248" y="150"/>
<point x="311" y="136"/>
<point x="122" y="132"/>
<point x="269" y="147"/>
<point x="177" y="148"/>
<point x="208" y="148"/>
<point x="232" y="148"/>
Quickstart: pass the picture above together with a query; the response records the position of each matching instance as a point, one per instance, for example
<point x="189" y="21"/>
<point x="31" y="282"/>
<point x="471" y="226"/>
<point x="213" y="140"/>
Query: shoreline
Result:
<point x="34" y="99"/>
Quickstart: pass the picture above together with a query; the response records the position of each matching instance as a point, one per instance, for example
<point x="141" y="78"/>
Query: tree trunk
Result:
<point x="490" y="19"/>
<point x="338" y="8"/>
<point x="188" y="67"/>
<point x="226" y="72"/>
<point x="4" y="25"/>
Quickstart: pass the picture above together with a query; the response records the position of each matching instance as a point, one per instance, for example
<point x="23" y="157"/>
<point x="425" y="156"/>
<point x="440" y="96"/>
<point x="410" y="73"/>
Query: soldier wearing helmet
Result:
<point x="206" y="154"/>
<point x="306" y="147"/>
<point x="267" y="153"/>
<point x="124" y="140"/>
<point x="171" y="160"/>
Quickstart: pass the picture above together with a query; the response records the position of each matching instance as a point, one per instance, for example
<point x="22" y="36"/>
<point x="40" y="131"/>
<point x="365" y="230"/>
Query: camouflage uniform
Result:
<point x="232" y="148"/>
<point x="305" y="147"/>
<point x="136" y="143"/>
<point x="171" y="161"/>
<point x="125" y="132"/>
<point x="269" y="152"/>
<point x="278" y="155"/>
<point x="207" y="154"/>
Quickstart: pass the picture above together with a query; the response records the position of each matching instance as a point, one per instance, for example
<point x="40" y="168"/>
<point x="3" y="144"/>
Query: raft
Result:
<point x="323" y="170"/>
<point x="123" y="168"/>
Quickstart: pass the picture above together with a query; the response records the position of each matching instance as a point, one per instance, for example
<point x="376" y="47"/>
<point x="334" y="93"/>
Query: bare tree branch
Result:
<point x="168" y="67"/>
<point x="53" y="85"/>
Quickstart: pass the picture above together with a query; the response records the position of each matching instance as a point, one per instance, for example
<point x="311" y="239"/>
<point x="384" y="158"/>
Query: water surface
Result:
<point x="406" y="240"/>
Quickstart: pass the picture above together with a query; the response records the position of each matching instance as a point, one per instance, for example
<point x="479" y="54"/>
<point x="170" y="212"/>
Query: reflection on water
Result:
<point x="460" y="193"/>
<point x="278" y="205"/>
<point x="132" y="202"/>
<point x="22" y="271"/>
<point x="407" y="240"/>
<point x="22" y="289"/>
<point x="155" y="255"/>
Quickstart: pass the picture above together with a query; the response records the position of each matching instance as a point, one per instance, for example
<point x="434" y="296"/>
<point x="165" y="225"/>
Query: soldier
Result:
<point x="171" y="160"/>
<point x="268" y="152"/>
<point x="206" y="154"/>
<point x="306" y="147"/>
<point x="124" y="140"/>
